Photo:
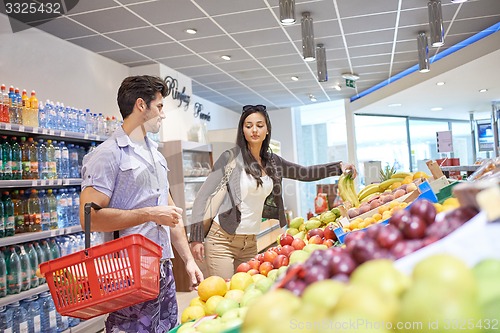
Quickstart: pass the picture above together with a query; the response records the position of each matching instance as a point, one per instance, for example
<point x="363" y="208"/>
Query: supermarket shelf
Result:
<point x="22" y="295"/>
<point x="40" y="182"/>
<point x="89" y="326"/>
<point x="195" y="179"/>
<point x="468" y="168"/>
<point x="49" y="133"/>
<point x="31" y="236"/>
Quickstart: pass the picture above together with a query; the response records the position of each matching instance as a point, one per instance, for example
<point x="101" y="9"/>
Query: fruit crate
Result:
<point x="446" y="192"/>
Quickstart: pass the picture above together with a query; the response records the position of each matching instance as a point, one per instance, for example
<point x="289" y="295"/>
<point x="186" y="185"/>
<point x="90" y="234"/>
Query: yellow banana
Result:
<point x="369" y="197"/>
<point x="346" y="189"/>
<point x="402" y="174"/>
<point x="386" y="183"/>
<point x="369" y="189"/>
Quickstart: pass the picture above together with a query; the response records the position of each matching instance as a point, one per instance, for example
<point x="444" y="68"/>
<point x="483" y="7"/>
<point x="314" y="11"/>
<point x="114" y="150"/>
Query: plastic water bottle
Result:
<point x="64" y="160"/>
<point x="42" y="115"/>
<point x="52" y="201"/>
<point x="19" y="210"/>
<point x="62" y="209"/>
<point x="41" y="258"/>
<point x="32" y="308"/>
<point x="8" y="214"/>
<point x="58" y="159"/>
<point x="5" y="320"/>
<point x="4" y="105"/>
<point x="44" y="210"/>
<point x="19" y="318"/>
<point x="16" y="161"/>
<point x="34" y="211"/>
<point x="76" y="205"/>
<point x="48" y="313"/>
<point x="73" y="161"/>
<point x="43" y="165"/>
<point x="54" y="249"/>
<point x="51" y="160"/>
<point x="2" y="221"/>
<point x="3" y="276"/>
<point x="13" y="264"/>
<point x="33" y="257"/>
<point x="25" y="268"/>
<point x="69" y="207"/>
<point x="6" y="159"/>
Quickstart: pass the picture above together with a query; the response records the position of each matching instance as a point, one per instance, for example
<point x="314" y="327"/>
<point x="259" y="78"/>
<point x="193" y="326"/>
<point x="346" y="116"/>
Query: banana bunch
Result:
<point x="368" y="192"/>
<point x="346" y="189"/>
<point x="372" y="190"/>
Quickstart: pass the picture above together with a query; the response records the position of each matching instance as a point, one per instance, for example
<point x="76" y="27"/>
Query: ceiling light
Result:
<point x="350" y="76"/>
<point x="312" y="98"/>
<point x="423" y="52"/>
<point x="287" y="12"/>
<point x="295" y="78"/>
<point x="337" y="87"/>
<point x="483" y="90"/>
<point x="394" y="105"/>
<point x="437" y="109"/>
<point x="307" y="37"/>
<point x="191" y="31"/>
<point x="226" y="57"/>
<point x="436" y="22"/>
<point x="440" y="83"/>
<point x="321" y="63"/>
<point x="458" y="1"/>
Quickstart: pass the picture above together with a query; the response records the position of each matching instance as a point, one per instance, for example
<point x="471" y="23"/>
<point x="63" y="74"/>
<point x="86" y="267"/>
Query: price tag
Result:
<point x="44" y="131"/>
<point x="63" y="133"/>
<point x="21" y="128"/>
<point x="52" y="132"/>
<point x="86" y="136"/>
<point x="59" y="182"/>
<point x="7" y="126"/>
<point x="34" y="183"/>
<point x="43" y="182"/>
<point x="65" y="181"/>
<point x="51" y="181"/>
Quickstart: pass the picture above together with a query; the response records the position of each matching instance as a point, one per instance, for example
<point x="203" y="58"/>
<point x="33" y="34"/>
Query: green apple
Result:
<point x="226" y="305"/>
<point x="292" y="231"/>
<point x="187" y="328"/>
<point x="298" y="256"/>
<point x="313" y="247"/>
<point x="491" y="316"/>
<point x="211" y="326"/>
<point x="381" y="275"/>
<point x="235" y="294"/>
<point x="250" y="296"/>
<point x="281" y="270"/>
<point x="324" y="294"/>
<point x="273" y="274"/>
<point x="487" y="273"/>
<point x="264" y="284"/>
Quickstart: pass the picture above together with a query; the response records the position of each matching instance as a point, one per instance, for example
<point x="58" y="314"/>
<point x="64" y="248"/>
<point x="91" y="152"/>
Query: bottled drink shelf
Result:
<point x="49" y="133"/>
<point x="23" y="294"/>
<point x="32" y="236"/>
<point x="40" y="182"/>
<point x="88" y="326"/>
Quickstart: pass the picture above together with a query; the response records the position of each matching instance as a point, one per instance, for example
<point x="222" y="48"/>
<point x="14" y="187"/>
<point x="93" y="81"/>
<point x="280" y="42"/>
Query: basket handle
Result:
<point x="87" y="211"/>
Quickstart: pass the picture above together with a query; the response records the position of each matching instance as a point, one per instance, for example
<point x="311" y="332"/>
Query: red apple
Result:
<point x="243" y="267"/>
<point x="280" y="260"/>
<point x="285" y="239"/>
<point x="265" y="267"/>
<point x="316" y="239"/>
<point x="298" y="244"/>
<point x="314" y="232"/>
<point x="260" y="257"/>
<point x="269" y="255"/>
<point x="287" y="250"/>
<point x="253" y="271"/>
<point x="253" y="263"/>
<point x="329" y="232"/>
<point x="328" y="242"/>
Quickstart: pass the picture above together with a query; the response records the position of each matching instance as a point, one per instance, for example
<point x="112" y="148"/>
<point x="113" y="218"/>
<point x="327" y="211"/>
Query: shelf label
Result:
<point x="7" y="126"/>
<point x="34" y="183"/>
<point x="52" y="132"/>
<point x="44" y="131"/>
<point x="43" y="182"/>
<point x="86" y="136"/>
<point x="65" y="181"/>
<point x="21" y="128"/>
<point x="63" y="133"/>
<point x="51" y="181"/>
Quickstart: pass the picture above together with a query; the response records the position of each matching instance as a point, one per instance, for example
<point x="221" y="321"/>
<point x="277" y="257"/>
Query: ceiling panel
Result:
<point x="204" y="27"/>
<point x="96" y="43"/>
<point x="65" y="28"/>
<point x="211" y="44"/>
<point x="139" y="37"/>
<point x="260" y="37"/>
<point x="166" y="11"/>
<point x="110" y="20"/>
<point x="160" y="51"/>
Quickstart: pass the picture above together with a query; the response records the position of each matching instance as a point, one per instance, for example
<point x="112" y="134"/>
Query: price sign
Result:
<point x="444" y="142"/>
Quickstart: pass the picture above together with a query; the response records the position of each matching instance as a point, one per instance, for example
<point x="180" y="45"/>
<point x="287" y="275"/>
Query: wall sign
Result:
<point x="173" y="90"/>
<point x="198" y="107"/>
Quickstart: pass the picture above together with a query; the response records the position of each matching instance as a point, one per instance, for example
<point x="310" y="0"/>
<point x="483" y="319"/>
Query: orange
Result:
<point x="212" y="285"/>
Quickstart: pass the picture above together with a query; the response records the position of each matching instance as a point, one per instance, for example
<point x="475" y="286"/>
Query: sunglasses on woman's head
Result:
<point x="258" y="107"/>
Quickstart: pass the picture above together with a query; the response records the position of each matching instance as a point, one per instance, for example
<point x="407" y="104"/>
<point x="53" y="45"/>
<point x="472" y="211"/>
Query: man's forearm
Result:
<point x="180" y="242"/>
<point x="111" y="219"/>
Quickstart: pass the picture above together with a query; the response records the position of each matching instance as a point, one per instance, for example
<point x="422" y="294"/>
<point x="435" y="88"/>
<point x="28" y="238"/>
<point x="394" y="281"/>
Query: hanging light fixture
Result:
<point x="436" y="23"/>
<point x="307" y="37"/>
<point x="423" y="52"/>
<point x="321" y="63"/>
<point x="287" y="12"/>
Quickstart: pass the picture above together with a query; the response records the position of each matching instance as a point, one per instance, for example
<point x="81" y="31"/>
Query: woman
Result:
<point x="245" y="176"/>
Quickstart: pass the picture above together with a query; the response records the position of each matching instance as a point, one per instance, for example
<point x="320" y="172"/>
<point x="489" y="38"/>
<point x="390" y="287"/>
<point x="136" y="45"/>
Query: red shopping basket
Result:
<point x="106" y="277"/>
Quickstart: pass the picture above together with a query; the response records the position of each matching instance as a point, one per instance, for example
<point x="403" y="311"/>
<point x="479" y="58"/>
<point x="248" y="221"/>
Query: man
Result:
<point x="127" y="176"/>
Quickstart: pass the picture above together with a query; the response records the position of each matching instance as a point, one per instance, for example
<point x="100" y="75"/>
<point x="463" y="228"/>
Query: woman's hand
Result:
<point x="198" y="250"/>
<point x="347" y="167"/>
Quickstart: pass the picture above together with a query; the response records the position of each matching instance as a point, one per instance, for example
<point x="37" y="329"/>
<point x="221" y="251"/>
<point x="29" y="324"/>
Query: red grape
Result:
<point x="425" y="209"/>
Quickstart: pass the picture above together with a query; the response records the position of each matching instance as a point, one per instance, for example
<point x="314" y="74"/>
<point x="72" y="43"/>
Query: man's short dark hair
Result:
<point x="141" y="86"/>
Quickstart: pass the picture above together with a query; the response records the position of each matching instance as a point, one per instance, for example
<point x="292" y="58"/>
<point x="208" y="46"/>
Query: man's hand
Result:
<point x="198" y="250"/>
<point x="165" y="215"/>
<point x="195" y="274"/>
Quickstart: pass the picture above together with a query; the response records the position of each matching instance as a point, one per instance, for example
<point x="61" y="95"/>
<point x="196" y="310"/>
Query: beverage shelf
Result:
<point x="32" y="236"/>
<point x="7" y="128"/>
<point x="23" y="294"/>
<point x="91" y="325"/>
<point x="40" y="182"/>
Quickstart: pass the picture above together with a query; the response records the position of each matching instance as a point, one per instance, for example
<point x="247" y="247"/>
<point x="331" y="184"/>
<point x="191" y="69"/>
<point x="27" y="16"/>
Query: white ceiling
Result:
<point x="375" y="39"/>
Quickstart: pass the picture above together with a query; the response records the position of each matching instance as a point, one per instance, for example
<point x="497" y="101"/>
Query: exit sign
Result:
<point x="350" y="83"/>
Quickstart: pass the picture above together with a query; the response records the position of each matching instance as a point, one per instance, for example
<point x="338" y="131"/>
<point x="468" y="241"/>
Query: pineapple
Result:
<point x="387" y="172"/>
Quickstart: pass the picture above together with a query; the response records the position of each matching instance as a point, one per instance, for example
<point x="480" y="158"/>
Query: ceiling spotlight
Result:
<point x="321" y="63"/>
<point x="312" y="98"/>
<point x="308" y="51"/>
<point x="483" y="90"/>
<point x="458" y="1"/>
<point x="350" y="76"/>
<point x="423" y="52"/>
<point x="437" y="109"/>
<point x="191" y="31"/>
<point x="394" y="105"/>
<point x="436" y="23"/>
<point x="337" y="87"/>
<point x="226" y="57"/>
<point x="287" y="12"/>
<point x="294" y="78"/>
<point x="440" y="83"/>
